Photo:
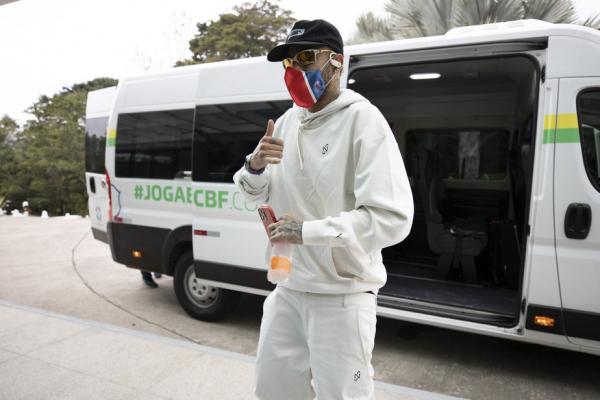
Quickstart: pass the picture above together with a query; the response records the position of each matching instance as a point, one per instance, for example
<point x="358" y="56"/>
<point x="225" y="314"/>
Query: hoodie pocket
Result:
<point x="328" y="261"/>
<point x="339" y="262"/>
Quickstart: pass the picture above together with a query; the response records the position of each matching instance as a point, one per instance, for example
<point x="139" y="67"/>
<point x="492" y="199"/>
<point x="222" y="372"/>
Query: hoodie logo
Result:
<point x="295" y="32"/>
<point x="325" y="149"/>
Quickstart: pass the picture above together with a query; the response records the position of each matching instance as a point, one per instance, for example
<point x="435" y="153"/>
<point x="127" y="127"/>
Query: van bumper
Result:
<point x="125" y="239"/>
<point x="100" y="235"/>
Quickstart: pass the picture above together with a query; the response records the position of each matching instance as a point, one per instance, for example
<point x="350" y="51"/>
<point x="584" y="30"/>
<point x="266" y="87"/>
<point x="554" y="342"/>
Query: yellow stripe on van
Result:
<point x="563" y="128"/>
<point x="111" y="137"/>
<point x="567" y="121"/>
<point x="549" y="122"/>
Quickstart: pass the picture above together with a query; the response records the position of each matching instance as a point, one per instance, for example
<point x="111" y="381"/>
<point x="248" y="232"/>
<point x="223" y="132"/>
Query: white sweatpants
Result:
<point x="323" y="337"/>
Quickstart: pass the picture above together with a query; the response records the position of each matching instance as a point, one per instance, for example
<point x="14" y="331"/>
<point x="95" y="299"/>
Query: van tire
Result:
<point x="201" y="301"/>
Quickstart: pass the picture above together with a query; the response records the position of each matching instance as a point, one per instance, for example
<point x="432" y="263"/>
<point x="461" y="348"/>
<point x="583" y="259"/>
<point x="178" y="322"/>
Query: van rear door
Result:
<point x="98" y="107"/>
<point x="577" y="206"/>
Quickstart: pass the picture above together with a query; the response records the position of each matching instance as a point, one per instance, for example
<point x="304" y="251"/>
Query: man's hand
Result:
<point x="268" y="151"/>
<point x="287" y="229"/>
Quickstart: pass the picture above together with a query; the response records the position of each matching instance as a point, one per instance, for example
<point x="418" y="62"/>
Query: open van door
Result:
<point x="577" y="207"/>
<point x="99" y="103"/>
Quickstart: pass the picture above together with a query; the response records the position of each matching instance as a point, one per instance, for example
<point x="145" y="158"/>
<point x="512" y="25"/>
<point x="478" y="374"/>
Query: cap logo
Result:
<point x="295" y="32"/>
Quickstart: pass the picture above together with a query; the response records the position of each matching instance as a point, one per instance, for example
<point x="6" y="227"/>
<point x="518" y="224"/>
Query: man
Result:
<point x="331" y="166"/>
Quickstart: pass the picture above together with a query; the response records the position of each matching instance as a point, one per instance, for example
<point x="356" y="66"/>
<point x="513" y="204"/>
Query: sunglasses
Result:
<point x="303" y="58"/>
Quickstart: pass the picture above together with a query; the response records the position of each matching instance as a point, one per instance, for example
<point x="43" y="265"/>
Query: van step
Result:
<point x="446" y="311"/>
<point x="469" y="302"/>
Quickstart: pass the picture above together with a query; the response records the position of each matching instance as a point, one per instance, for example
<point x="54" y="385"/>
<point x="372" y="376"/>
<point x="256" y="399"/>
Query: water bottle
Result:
<point x="280" y="264"/>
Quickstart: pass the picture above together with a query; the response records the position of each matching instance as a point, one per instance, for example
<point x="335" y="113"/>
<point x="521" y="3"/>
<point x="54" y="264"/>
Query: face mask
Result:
<point x="305" y="87"/>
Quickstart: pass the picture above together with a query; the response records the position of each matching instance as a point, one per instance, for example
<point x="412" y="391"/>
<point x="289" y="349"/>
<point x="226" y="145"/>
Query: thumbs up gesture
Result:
<point x="268" y="151"/>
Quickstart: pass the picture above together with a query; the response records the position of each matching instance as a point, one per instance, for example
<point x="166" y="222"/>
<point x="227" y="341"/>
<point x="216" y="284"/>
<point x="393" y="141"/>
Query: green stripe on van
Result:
<point x="567" y="135"/>
<point x="111" y="137"/>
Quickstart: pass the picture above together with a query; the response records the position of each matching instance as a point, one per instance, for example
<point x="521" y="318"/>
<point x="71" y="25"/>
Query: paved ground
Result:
<point x="55" y="265"/>
<point x="70" y="358"/>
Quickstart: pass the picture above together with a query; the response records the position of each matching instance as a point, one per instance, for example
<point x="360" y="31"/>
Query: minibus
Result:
<point x="499" y="129"/>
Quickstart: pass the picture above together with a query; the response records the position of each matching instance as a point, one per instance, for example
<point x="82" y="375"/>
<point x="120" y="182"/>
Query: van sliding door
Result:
<point x="577" y="206"/>
<point x="229" y="241"/>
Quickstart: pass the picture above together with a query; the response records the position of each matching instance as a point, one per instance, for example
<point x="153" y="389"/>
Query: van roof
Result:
<point x="486" y="33"/>
<point x="99" y="102"/>
<point x="242" y="80"/>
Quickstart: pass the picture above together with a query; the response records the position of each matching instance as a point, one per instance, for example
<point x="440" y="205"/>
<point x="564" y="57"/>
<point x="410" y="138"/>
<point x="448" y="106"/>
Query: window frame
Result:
<point x="595" y="181"/>
<point x="145" y="153"/>
<point x="200" y="159"/>
<point x="97" y="157"/>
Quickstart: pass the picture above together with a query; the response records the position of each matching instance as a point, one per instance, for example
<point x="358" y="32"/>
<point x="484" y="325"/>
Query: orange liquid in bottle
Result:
<point x="281" y="263"/>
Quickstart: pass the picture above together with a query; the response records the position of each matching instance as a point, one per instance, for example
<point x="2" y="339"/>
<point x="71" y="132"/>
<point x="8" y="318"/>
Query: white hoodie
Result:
<point x="343" y="175"/>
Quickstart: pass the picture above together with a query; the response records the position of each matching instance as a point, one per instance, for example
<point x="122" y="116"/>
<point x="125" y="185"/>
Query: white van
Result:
<point x="499" y="128"/>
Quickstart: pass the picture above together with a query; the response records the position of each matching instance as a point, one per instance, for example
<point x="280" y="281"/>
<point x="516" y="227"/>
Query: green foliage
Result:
<point x="371" y="29"/>
<point x="47" y="167"/>
<point x="476" y="12"/>
<point x="556" y="11"/>
<point x="417" y="18"/>
<point x="252" y="30"/>
<point x="8" y="138"/>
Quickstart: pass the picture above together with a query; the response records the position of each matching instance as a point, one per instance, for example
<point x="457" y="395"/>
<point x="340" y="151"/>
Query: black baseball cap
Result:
<point x="305" y="35"/>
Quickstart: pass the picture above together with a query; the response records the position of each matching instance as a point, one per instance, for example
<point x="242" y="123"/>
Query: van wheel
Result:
<point x="199" y="300"/>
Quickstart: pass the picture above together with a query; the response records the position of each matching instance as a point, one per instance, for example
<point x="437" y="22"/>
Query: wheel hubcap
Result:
<point x="199" y="293"/>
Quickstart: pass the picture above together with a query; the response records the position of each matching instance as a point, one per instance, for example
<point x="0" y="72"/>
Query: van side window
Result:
<point x="588" y="108"/>
<point x="225" y="133"/>
<point x="95" y="144"/>
<point x="154" y="144"/>
<point x="463" y="153"/>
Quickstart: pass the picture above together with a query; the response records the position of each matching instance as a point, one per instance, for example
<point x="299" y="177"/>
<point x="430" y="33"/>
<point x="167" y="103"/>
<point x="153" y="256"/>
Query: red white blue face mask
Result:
<point x="305" y="87"/>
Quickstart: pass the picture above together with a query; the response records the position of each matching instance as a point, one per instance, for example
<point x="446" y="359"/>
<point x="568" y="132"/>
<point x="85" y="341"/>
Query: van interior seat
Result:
<point x="455" y="241"/>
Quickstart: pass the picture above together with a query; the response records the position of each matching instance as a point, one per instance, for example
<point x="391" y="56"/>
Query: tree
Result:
<point x="252" y="30"/>
<point x="8" y="138"/>
<point x="49" y="168"/>
<point x="416" y="18"/>
<point x="371" y="28"/>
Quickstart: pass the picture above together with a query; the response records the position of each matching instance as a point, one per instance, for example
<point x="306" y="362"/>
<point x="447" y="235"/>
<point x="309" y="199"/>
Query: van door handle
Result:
<point x="578" y="221"/>
<point x="92" y="184"/>
<point x="103" y="183"/>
